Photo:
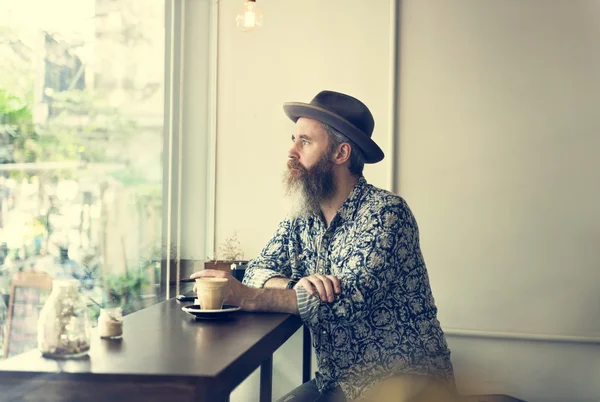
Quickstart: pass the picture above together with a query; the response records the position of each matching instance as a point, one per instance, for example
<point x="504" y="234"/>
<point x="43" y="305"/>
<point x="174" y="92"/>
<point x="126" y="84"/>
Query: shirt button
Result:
<point x="324" y="332"/>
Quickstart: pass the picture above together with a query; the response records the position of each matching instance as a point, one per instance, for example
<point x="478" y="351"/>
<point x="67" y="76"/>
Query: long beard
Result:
<point x="309" y="188"/>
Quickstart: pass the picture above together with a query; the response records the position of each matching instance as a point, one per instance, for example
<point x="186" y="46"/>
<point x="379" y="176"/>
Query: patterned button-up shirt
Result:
<point x="384" y="321"/>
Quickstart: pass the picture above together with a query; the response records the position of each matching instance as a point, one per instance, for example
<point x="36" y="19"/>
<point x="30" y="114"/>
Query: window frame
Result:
<point x="177" y="75"/>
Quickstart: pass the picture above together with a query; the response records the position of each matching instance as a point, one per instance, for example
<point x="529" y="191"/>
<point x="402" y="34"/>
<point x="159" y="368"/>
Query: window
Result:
<point x="91" y="134"/>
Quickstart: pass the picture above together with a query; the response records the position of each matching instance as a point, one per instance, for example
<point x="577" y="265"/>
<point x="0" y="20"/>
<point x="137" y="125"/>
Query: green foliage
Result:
<point x="100" y="130"/>
<point x="93" y="313"/>
<point x="15" y="128"/>
<point x="125" y="290"/>
<point x="14" y="111"/>
<point x="82" y="128"/>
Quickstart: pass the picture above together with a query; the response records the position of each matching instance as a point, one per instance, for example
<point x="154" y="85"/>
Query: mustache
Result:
<point x="294" y="164"/>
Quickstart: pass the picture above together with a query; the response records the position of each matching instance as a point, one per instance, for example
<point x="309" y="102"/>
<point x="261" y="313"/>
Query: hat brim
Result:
<point x="371" y="151"/>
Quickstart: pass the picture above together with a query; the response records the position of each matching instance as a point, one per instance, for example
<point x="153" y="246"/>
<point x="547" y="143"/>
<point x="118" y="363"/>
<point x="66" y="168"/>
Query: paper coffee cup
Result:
<point x="211" y="292"/>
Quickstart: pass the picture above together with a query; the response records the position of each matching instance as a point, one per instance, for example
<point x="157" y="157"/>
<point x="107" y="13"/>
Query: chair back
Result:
<point x="28" y="293"/>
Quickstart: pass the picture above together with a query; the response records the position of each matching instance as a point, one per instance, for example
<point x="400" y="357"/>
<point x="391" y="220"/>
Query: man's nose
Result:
<point x="293" y="152"/>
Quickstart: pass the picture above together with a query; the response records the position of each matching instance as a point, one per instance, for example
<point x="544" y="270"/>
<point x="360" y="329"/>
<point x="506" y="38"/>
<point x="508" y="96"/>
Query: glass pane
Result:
<point x="81" y="151"/>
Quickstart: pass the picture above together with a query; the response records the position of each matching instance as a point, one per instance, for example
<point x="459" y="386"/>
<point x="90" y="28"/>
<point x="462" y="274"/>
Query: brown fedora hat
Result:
<point x="346" y="114"/>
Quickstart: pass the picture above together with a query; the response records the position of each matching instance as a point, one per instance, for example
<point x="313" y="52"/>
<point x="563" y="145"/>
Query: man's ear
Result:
<point x="343" y="153"/>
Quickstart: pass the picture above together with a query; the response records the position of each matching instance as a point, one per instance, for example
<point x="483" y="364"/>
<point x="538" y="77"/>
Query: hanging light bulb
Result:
<point x="250" y="17"/>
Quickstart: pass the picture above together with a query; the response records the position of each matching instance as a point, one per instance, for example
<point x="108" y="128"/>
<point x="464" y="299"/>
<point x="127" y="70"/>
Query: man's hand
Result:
<point x="327" y="286"/>
<point x="235" y="294"/>
<point x="249" y="299"/>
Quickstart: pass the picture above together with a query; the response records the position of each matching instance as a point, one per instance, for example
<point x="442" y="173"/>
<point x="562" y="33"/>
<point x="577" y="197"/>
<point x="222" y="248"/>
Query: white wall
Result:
<point x="304" y="47"/>
<point x="499" y="139"/>
<point x="496" y="150"/>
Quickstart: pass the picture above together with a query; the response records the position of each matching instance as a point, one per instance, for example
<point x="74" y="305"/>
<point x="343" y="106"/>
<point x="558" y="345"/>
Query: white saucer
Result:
<point x="196" y="309"/>
<point x="200" y="313"/>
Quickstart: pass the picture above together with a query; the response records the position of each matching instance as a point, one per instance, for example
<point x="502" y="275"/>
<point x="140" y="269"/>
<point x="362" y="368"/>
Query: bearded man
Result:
<point x="348" y="261"/>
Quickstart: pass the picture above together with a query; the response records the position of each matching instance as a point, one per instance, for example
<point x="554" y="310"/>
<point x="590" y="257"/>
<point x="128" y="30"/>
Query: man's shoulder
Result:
<point x="384" y="209"/>
<point x="378" y="201"/>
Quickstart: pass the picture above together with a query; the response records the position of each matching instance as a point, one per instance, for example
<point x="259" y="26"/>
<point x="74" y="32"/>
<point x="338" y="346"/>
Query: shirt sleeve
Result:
<point x="273" y="260"/>
<point x="307" y="304"/>
<point x="386" y="247"/>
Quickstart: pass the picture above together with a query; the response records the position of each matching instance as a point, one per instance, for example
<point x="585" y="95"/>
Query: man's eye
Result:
<point x="304" y="142"/>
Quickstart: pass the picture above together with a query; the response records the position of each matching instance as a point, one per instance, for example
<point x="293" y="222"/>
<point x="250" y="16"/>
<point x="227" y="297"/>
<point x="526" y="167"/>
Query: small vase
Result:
<point x="63" y="325"/>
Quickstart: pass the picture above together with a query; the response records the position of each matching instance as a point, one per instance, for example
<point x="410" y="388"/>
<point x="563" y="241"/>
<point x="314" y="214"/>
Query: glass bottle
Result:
<point x="63" y="325"/>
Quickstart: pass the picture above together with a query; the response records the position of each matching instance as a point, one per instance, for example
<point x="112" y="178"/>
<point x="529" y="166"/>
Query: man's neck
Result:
<point x="330" y="207"/>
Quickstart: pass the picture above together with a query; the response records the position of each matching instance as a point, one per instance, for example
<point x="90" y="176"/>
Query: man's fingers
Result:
<point x="305" y="283"/>
<point x="318" y="283"/>
<point x="328" y="285"/>
<point x="337" y="285"/>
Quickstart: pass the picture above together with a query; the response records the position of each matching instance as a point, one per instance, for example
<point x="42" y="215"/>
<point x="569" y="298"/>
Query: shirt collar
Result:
<point x="352" y="203"/>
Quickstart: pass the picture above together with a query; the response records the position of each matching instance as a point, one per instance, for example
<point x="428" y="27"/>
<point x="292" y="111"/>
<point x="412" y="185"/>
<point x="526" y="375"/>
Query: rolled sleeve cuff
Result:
<point x="307" y="304"/>
<point x="260" y="276"/>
